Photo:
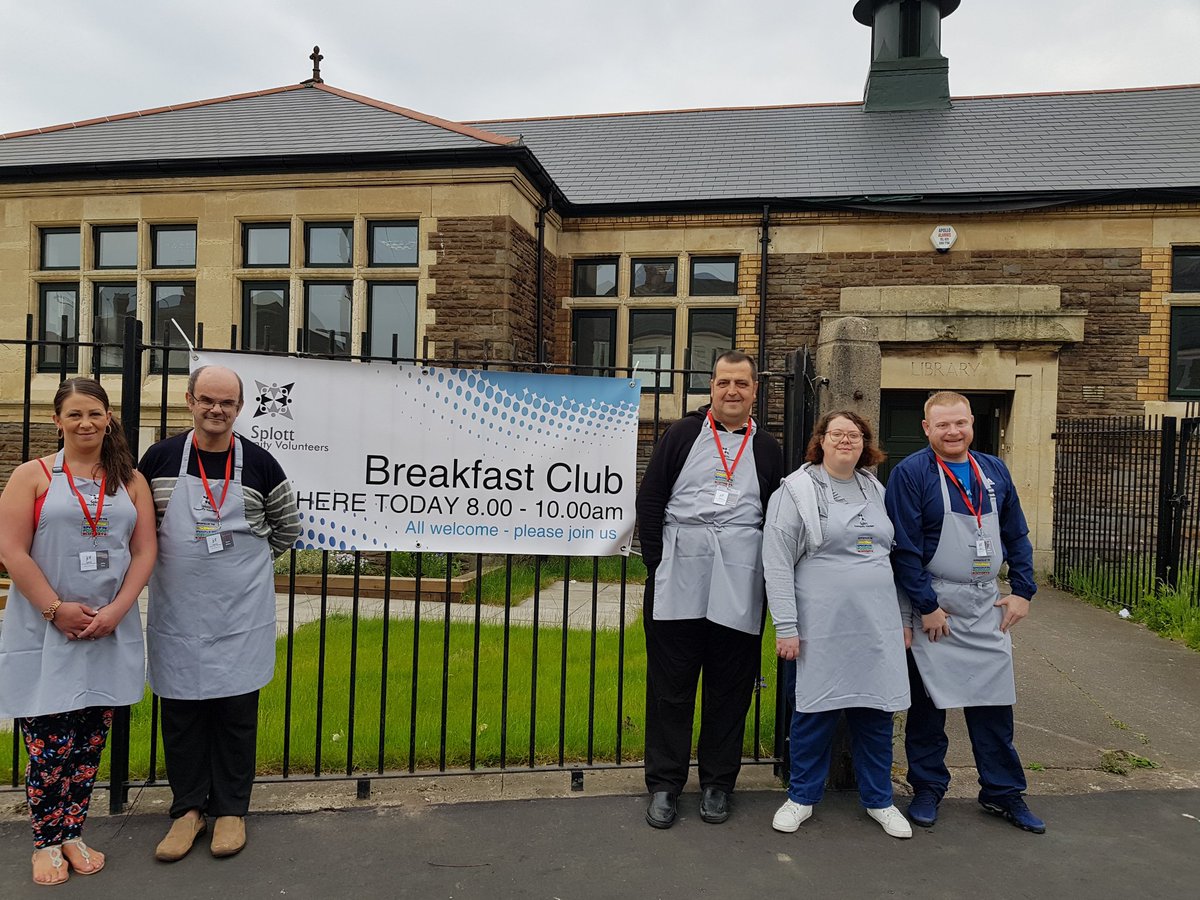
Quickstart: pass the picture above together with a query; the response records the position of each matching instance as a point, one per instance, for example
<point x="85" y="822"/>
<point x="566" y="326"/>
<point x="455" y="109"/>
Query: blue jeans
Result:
<point x="870" y="750"/>
<point x="991" y="731"/>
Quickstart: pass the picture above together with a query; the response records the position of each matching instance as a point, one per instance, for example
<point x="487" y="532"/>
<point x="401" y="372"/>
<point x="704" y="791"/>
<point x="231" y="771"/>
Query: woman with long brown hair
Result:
<point x="827" y="542"/>
<point x="77" y="537"/>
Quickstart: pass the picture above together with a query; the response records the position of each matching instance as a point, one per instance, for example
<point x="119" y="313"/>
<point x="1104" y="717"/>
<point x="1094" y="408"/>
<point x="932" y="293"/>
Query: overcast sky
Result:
<point x="67" y="60"/>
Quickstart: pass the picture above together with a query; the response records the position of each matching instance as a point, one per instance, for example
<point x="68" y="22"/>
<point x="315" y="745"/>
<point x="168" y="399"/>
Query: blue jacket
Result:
<point x="914" y="504"/>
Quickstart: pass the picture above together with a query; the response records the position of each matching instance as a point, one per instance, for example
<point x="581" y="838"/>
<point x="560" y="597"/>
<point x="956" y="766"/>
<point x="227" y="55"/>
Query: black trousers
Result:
<point x="677" y="653"/>
<point x="991" y="730"/>
<point x="210" y="752"/>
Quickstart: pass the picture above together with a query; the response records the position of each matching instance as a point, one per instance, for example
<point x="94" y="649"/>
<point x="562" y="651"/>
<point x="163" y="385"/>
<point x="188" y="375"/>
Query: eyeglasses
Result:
<point x="854" y="437"/>
<point x="226" y="406"/>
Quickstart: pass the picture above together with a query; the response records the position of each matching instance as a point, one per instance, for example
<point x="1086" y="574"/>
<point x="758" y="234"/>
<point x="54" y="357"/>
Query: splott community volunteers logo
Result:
<point x="274" y="400"/>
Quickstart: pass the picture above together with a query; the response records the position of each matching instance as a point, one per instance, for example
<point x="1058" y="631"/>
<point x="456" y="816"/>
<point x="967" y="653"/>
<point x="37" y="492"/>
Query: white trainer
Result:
<point x="791" y="815"/>
<point x="892" y="821"/>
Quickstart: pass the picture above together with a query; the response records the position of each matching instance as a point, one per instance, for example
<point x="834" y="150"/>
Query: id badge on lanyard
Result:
<point x="981" y="562"/>
<point x="96" y="525"/>
<point x="209" y="530"/>
<point x="93" y="560"/>
<point x="981" y="565"/>
<point x="724" y="493"/>
<point x="215" y="539"/>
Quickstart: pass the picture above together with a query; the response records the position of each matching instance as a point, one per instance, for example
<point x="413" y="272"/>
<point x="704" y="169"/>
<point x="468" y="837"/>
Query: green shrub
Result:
<point x="1173" y="612"/>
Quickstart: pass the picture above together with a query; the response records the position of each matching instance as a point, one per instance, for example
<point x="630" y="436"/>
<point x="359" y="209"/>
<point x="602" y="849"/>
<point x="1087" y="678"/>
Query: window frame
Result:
<point x="98" y="364"/>
<point x="98" y="230"/>
<point x="284" y="287"/>
<point x="692" y="311"/>
<point x="577" y="264"/>
<point x="247" y="227"/>
<point x="70" y="353"/>
<point x="393" y="223"/>
<point x="1191" y="311"/>
<point x="671" y="313"/>
<point x="370" y="334"/>
<point x="43" y="233"/>
<point x="634" y="262"/>
<point x="176" y="368"/>
<point x="156" y="230"/>
<point x="708" y="259"/>
<point x="1192" y="252"/>
<point x="308" y="229"/>
<point x="597" y="312"/>
<point x="305" y="331"/>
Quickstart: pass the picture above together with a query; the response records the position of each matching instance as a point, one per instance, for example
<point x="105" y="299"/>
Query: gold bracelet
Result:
<point x="49" y="611"/>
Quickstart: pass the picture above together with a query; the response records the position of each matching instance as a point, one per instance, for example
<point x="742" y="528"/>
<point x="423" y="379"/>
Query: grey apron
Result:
<point x="847" y="614"/>
<point x="973" y="665"/>
<point x="712" y="555"/>
<point x="41" y="672"/>
<point x="211" y="623"/>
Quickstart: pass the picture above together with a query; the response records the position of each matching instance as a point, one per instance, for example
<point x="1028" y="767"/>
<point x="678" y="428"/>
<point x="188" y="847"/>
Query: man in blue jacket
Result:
<point x="957" y="518"/>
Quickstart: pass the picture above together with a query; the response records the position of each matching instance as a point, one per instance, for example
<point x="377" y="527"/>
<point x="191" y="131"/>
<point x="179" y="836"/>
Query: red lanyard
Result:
<point x="977" y="513"/>
<point x="94" y="524"/>
<point x="204" y="478"/>
<point x="729" y="470"/>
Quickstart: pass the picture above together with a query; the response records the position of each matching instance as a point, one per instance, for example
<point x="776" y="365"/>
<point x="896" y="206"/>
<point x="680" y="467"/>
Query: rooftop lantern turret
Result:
<point x="908" y="70"/>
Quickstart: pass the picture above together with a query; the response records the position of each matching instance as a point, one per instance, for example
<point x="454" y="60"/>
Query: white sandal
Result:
<point x="86" y="852"/>
<point x="56" y="860"/>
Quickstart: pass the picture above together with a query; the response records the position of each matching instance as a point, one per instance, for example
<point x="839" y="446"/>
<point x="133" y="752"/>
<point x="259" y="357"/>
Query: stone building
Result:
<point x="1066" y="280"/>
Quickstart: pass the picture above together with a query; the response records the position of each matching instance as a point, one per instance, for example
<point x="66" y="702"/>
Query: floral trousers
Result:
<point x="64" y="754"/>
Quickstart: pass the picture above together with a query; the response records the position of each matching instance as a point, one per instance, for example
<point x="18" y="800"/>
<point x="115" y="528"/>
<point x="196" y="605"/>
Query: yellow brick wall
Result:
<point x="1156" y="345"/>
<point x="746" y="333"/>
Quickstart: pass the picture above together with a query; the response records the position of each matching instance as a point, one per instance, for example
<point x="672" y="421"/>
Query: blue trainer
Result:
<point x="1014" y="809"/>
<point x="924" y="807"/>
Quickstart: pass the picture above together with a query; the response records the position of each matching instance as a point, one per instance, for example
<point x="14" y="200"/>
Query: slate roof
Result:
<point x="982" y="148"/>
<point x="984" y="152"/>
<point x="292" y="121"/>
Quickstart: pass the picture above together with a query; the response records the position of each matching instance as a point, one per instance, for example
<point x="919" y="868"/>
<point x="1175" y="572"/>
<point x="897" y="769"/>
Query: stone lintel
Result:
<point x="952" y="298"/>
<point x="1049" y="327"/>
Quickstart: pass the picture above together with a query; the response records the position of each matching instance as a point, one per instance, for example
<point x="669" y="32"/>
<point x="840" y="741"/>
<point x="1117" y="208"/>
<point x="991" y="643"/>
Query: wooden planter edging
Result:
<point x="371" y="586"/>
<point x="4" y="586"/>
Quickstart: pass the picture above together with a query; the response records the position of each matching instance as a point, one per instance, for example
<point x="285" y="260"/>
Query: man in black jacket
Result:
<point x="700" y="513"/>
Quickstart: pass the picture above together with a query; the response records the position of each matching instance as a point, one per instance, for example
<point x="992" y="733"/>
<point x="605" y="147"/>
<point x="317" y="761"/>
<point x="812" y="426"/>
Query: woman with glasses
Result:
<point x="826" y="544"/>
<point x="77" y="537"/>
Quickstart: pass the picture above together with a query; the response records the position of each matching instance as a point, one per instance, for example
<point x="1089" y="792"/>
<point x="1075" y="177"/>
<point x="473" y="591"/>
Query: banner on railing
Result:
<point x="405" y="457"/>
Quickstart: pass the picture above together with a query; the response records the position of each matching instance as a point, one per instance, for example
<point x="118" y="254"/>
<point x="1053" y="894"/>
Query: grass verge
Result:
<point x="1172" y="612"/>
<point x="490" y="707"/>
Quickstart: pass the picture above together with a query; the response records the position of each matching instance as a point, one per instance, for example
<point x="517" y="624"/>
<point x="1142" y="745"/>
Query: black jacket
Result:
<point x="666" y="462"/>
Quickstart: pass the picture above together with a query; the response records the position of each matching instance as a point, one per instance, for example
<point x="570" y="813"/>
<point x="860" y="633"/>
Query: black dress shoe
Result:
<point x="661" y="811"/>
<point x="714" y="806"/>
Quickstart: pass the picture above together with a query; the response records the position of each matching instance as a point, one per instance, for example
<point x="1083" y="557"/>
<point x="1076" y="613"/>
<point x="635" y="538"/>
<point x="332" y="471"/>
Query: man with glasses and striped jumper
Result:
<point x="225" y="511"/>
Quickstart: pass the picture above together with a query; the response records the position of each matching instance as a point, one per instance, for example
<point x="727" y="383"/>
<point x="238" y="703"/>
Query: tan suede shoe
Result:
<point x="229" y="835"/>
<point x="179" y="839"/>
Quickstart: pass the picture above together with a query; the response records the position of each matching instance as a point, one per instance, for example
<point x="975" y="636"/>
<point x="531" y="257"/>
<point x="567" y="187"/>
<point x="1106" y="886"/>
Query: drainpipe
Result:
<point x="764" y="241"/>
<point x="539" y="290"/>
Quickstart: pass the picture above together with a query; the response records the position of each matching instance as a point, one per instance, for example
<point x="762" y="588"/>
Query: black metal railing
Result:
<point x="389" y="681"/>
<point x="1126" y="520"/>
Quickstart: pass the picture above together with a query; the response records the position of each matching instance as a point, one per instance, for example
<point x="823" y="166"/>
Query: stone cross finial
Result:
<point x="316" y="58"/>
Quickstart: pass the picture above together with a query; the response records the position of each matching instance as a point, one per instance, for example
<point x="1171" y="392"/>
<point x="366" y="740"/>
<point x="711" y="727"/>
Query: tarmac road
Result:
<point x="1129" y="844"/>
